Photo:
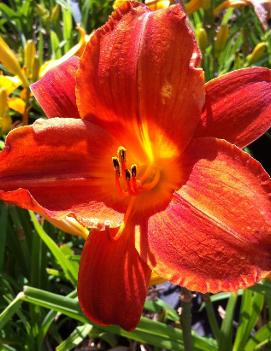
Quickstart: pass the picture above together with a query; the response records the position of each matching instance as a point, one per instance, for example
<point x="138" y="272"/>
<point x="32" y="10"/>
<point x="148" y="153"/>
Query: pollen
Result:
<point x="166" y="92"/>
<point x="126" y="178"/>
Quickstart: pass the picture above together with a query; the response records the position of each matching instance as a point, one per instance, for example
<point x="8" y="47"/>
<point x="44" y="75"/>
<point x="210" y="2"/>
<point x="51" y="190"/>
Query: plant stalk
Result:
<point x="186" y="319"/>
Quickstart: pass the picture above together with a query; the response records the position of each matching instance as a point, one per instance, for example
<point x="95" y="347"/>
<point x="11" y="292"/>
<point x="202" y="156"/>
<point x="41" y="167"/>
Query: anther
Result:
<point x="116" y="165"/>
<point x="133" y="170"/>
<point x="134" y="181"/>
<point x="127" y="174"/>
<point x="122" y="153"/>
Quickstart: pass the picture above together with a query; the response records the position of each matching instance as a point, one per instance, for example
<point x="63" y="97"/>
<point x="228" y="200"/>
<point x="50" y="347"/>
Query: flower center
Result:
<point x="126" y="178"/>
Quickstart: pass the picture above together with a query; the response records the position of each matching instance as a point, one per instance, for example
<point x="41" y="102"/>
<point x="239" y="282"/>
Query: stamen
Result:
<point x="118" y="185"/>
<point x="133" y="182"/>
<point x="128" y="183"/>
<point x="122" y="159"/>
<point x="122" y="153"/>
<point x="116" y="165"/>
<point x="133" y="170"/>
<point x="127" y="175"/>
<point x="126" y="179"/>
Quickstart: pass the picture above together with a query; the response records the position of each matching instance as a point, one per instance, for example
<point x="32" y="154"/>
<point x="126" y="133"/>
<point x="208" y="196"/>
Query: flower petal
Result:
<point x="16" y="104"/>
<point x="215" y="234"/>
<point x="10" y="84"/>
<point x="113" y="280"/>
<point x="141" y="68"/>
<point x="60" y="167"/>
<point x="55" y="91"/>
<point x="238" y="106"/>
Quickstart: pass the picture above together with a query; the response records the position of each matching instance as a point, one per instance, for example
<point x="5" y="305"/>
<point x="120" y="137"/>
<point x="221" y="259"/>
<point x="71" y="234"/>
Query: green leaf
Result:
<point x="67" y="28"/>
<point x="212" y="317"/>
<point x="10" y="310"/>
<point x="48" y="320"/>
<point x="55" y="45"/>
<point x="68" y="267"/>
<point x="219" y="297"/>
<point x="8" y="11"/>
<point x="251" y="307"/>
<point x="75" y="338"/>
<point x="263" y="287"/>
<point x="3" y="232"/>
<point x="263" y="335"/>
<point x="225" y="342"/>
<point x="147" y="331"/>
<point x="159" y="306"/>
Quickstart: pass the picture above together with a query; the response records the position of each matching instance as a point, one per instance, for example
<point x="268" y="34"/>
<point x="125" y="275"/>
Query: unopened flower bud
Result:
<point x="35" y="69"/>
<point x="55" y="13"/>
<point x="5" y="119"/>
<point x="202" y="38"/>
<point x="29" y="55"/>
<point x="9" y="60"/>
<point x="257" y="53"/>
<point x="193" y="5"/>
<point x="3" y="102"/>
<point x="206" y="4"/>
<point x="5" y="123"/>
<point x="222" y="37"/>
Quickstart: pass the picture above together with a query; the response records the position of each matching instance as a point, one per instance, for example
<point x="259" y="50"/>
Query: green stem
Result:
<point x="186" y="319"/>
<point x="211" y="317"/>
<point x="25" y="117"/>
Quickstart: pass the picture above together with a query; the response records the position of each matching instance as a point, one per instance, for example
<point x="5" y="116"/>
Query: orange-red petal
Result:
<point x="238" y="106"/>
<point x="55" y="91"/>
<point x="113" y="279"/>
<point x="215" y="234"/>
<point x="60" y="167"/>
<point x="140" y="68"/>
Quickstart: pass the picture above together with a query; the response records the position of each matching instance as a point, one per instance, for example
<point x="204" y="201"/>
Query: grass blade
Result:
<point x="75" y="338"/>
<point x="147" y="331"/>
<point x="68" y="267"/>
<point x="225" y="343"/>
<point x="3" y="233"/>
<point x="10" y="310"/>
<point x="252" y="304"/>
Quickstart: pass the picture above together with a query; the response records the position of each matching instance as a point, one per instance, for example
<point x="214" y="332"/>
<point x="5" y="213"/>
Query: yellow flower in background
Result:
<point x="194" y="5"/>
<point x="5" y="120"/>
<point x="9" y="60"/>
<point x="8" y="85"/>
<point x="31" y="71"/>
<point x="158" y="4"/>
<point x="202" y="38"/>
<point x="262" y="9"/>
<point x="76" y="50"/>
<point x="257" y="53"/>
<point x="221" y="37"/>
<point x="152" y="4"/>
<point x="190" y="7"/>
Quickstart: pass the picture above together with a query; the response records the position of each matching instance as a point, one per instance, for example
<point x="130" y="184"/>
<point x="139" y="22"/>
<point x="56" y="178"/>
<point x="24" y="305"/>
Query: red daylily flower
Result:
<point x="180" y="197"/>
